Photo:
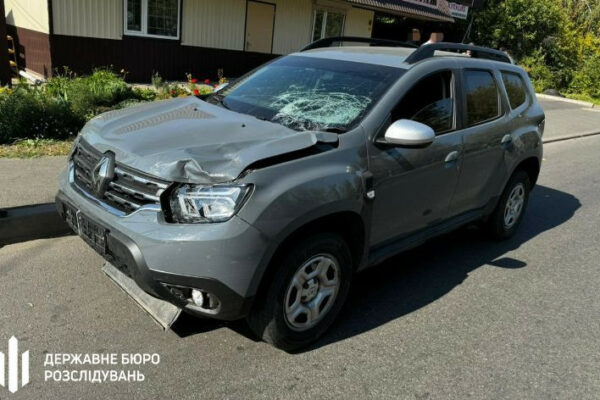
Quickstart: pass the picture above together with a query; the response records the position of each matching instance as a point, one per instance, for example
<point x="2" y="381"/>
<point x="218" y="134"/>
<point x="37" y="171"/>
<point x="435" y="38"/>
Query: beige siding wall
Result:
<point x="293" y="25"/>
<point x="214" y="23"/>
<point x="221" y="23"/>
<point x="28" y="14"/>
<point x="88" y="18"/>
<point x="359" y="22"/>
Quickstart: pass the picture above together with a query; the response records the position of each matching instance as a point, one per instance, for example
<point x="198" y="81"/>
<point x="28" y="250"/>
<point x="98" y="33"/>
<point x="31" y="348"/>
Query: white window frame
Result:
<point x="324" y="23"/>
<point x="144" y="28"/>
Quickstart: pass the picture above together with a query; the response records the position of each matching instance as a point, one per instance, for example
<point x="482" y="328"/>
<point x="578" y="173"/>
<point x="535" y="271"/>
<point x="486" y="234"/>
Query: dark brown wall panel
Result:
<point x="141" y="57"/>
<point x="4" y="65"/>
<point x="33" y="48"/>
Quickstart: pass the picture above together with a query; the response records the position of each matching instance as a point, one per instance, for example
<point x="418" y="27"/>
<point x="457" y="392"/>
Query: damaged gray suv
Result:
<point x="264" y="199"/>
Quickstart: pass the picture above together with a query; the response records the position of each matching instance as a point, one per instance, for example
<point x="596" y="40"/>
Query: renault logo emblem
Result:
<point x="103" y="174"/>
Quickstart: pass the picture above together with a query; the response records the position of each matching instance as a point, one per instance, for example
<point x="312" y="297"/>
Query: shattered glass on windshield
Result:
<point x="306" y="93"/>
<point x="318" y="111"/>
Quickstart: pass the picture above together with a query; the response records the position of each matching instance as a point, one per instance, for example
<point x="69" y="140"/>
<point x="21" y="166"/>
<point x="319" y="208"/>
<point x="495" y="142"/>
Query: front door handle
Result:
<point x="507" y="139"/>
<point x="451" y="157"/>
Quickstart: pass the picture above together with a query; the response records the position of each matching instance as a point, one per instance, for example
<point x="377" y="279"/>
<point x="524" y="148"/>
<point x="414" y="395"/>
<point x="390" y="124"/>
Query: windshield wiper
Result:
<point x="218" y="99"/>
<point x="221" y="101"/>
<point x="335" y="130"/>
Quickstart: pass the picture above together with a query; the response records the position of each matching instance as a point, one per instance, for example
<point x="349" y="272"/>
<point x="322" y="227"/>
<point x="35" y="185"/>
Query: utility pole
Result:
<point x="5" y="73"/>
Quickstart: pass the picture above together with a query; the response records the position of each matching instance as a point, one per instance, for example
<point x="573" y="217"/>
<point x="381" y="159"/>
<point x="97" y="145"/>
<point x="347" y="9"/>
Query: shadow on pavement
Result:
<point x="414" y="279"/>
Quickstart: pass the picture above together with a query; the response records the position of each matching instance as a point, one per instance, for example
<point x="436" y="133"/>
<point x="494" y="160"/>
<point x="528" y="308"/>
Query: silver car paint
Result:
<point x="189" y="140"/>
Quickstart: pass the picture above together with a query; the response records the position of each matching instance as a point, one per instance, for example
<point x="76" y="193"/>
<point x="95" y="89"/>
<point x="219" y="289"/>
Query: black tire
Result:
<point x="496" y="226"/>
<point x="268" y="320"/>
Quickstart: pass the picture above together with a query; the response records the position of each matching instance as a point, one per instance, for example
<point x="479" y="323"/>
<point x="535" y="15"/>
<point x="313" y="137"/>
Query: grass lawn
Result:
<point x="30" y="148"/>
<point x="583" y="97"/>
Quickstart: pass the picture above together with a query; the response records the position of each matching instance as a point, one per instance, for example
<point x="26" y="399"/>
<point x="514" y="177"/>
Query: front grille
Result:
<point x="128" y="191"/>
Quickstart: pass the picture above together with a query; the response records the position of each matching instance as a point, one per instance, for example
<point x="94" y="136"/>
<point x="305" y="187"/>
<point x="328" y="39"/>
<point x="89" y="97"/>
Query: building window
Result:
<point x="327" y="24"/>
<point x="155" y="18"/>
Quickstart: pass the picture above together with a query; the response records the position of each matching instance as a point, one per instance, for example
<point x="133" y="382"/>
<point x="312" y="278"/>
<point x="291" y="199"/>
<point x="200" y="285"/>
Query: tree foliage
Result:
<point x="557" y="41"/>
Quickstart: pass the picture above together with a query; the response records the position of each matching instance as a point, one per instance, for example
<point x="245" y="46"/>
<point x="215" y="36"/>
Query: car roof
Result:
<point x="378" y="55"/>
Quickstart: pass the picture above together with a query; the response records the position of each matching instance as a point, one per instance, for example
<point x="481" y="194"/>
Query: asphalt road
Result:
<point x="460" y="317"/>
<point x="564" y="118"/>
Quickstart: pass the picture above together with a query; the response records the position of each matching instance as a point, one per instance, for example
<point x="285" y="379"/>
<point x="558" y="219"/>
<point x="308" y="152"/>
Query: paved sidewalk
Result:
<point x="565" y="118"/>
<point x="34" y="180"/>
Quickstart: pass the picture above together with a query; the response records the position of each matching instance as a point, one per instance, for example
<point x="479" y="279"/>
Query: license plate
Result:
<point x="88" y="230"/>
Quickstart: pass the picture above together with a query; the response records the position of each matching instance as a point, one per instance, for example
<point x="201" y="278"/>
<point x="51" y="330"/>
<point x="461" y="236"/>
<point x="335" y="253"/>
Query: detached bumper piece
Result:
<point x="163" y="312"/>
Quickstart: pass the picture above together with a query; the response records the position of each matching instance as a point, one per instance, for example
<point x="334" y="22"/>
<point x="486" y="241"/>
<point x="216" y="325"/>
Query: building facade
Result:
<point x="174" y="37"/>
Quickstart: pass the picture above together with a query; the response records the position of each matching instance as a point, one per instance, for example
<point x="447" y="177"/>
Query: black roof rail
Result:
<point x="428" y="51"/>
<point x="327" y="42"/>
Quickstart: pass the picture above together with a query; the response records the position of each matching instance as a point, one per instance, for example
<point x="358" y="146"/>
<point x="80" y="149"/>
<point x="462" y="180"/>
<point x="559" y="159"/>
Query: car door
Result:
<point x="414" y="186"/>
<point x="485" y="133"/>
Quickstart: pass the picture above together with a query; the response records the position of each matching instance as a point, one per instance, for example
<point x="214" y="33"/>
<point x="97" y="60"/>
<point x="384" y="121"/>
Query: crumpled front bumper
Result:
<point x="221" y="259"/>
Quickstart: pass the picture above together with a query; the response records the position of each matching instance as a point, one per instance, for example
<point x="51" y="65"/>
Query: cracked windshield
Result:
<point x="306" y="93"/>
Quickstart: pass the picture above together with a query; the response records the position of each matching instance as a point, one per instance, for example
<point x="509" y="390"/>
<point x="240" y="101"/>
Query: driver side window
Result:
<point x="430" y="102"/>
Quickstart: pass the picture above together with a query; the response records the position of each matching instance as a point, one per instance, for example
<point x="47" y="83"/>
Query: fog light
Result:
<point x="197" y="297"/>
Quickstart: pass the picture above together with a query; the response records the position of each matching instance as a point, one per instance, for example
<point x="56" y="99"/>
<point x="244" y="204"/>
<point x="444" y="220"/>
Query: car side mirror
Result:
<point x="409" y="133"/>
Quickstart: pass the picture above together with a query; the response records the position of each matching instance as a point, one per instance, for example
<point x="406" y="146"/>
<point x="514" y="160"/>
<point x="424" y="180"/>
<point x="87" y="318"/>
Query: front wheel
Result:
<point x="306" y="294"/>
<point x="507" y="216"/>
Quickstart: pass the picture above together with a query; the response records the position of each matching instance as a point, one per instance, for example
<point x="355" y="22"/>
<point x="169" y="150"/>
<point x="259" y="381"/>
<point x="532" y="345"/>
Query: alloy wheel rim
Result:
<point x="312" y="292"/>
<point x="514" y="206"/>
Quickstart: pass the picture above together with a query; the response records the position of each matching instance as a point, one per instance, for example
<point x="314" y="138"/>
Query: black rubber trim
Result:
<point x="124" y="254"/>
<point x="233" y="306"/>
<point x="329" y="41"/>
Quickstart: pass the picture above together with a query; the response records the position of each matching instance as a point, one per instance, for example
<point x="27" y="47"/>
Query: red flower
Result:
<point x="196" y="92"/>
<point x="194" y="80"/>
<point x="207" y="81"/>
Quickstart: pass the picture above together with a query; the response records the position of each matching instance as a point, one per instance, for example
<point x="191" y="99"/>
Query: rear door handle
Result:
<point x="506" y="140"/>
<point x="451" y="157"/>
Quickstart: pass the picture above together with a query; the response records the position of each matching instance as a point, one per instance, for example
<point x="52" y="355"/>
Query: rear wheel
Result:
<point x="305" y="295"/>
<point x="506" y="218"/>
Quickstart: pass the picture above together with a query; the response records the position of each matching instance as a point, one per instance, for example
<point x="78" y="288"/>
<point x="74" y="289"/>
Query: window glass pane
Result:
<point x="163" y="17"/>
<point x="482" y="97"/>
<point x="429" y="102"/>
<point x="335" y="24"/>
<point x="318" y="25"/>
<point x="515" y="88"/>
<point x="134" y="15"/>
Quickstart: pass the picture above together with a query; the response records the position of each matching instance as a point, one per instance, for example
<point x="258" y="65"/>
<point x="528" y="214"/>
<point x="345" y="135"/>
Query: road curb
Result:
<point x="566" y="100"/>
<point x="39" y="221"/>
<point x="568" y="137"/>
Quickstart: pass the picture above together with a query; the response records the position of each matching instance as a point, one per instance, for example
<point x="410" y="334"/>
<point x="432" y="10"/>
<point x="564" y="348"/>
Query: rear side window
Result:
<point x="483" y="101"/>
<point x="515" y="88"/>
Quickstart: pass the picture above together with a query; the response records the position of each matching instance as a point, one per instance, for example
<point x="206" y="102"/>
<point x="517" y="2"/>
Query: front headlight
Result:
<point x="202" y="204"/>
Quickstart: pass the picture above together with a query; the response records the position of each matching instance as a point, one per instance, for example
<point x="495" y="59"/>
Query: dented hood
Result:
<point x="189" y="140"/>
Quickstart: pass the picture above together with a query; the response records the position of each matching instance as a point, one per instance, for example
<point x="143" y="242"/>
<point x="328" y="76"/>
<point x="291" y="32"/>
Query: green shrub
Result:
<point x="89" y="95"/>
<point x="27" y="112"/>
<point x="587" y="78"/>
<point x="539" y="72"/>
